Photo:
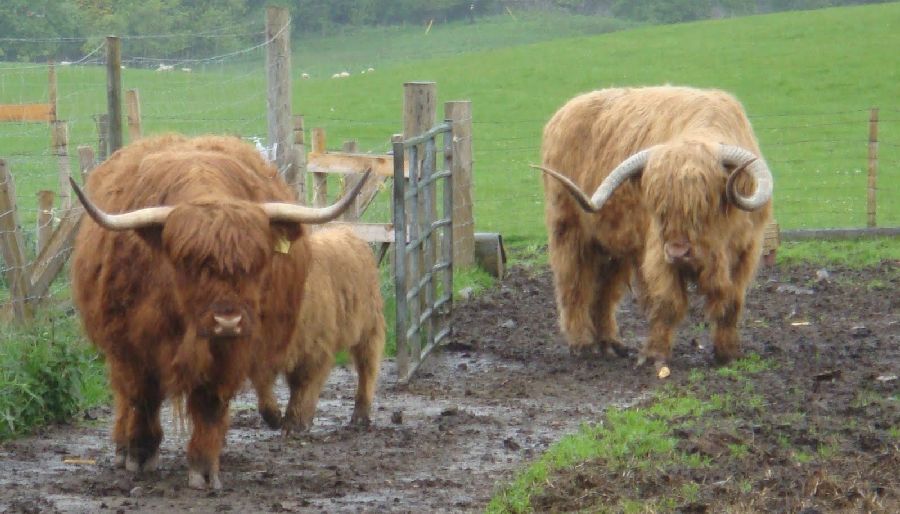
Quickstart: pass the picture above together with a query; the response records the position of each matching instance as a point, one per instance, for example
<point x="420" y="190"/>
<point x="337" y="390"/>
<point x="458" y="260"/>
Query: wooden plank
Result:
<point x="344" y="162"/>
<point x="54" y="255"/>
<point x="834" y="234"/>
<point x="368" y="232"/>
<point x="27" y="112"/>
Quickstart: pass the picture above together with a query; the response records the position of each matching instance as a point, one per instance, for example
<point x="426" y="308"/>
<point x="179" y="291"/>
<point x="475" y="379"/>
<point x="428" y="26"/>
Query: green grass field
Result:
<point x="807" y="80"/>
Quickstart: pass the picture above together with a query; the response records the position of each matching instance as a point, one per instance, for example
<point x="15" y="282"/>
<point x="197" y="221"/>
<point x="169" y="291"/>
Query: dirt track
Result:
<point x="503" y="391"/>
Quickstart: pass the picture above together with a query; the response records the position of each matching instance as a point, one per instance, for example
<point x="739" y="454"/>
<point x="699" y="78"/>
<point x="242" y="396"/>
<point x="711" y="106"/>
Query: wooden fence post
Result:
<point x="278" y="78"/>
<point x="102" y="122"/>
<point x="12" y="247"/>
<point x="60" y="141"/>
<point x="460" y="115"/>
<point x="86" y="162"/>
<point x="45" y="218"/>
<point x="873" y="167"/>
<point x="298" y="163"/>
<point x="51" y="91"/>
<point x="114" y="93"/>
<point x="133" y="108"/>
<point x="320" y="180"/>
<point x="347" y="183"/>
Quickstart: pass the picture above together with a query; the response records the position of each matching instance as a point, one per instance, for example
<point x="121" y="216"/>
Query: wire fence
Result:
<point x="820" y="160"/>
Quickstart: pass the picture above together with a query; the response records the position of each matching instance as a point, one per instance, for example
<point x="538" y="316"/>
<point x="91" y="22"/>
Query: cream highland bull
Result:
<point x="680" y="195"/>
<point x="341" y="310"/>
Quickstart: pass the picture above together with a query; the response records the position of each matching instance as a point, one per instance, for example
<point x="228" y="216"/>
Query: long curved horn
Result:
<point x="301" y="214"/>
<point x="628" y="168"/>
<point x="736" y="156"/>
<point x="125" y="221"/>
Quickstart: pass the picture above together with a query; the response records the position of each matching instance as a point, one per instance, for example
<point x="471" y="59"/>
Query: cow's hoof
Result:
<point x="197" y="480"/>
<point x="119" y="459"/>
<point x="272" y="418"/>
<point x="659" y="361"/>
<point x="582" y="351"/>
<point x="294" y="428"/>
<point x="133" y="464"/>
<point x="613" y="348"/>
<point x="360" y="420"/>
<point x="723" y="357"/>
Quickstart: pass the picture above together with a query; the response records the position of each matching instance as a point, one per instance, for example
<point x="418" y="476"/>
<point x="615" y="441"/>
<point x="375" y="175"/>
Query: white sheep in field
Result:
<point x="304" y="75"/>
<point x="186" y="70"/>
<point x="165" y="67"/>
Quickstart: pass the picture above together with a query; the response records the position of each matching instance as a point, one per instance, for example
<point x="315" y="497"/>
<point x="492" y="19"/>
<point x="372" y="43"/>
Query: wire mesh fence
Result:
<point x="820" y="159"/>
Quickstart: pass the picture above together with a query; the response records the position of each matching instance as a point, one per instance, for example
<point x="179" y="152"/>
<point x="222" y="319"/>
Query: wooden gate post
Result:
<point x="460" y="115"/>
<point x="873" y="168"/>
<point x="278" y="97"/>
<point x="419" y="115"/>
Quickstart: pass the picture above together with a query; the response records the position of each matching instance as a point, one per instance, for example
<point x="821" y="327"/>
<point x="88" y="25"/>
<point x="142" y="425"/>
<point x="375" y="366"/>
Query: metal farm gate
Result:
<point x="423" y="279"/>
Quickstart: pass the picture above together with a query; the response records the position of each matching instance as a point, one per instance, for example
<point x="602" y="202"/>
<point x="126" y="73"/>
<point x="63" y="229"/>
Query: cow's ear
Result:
<point x="289" y="230"/>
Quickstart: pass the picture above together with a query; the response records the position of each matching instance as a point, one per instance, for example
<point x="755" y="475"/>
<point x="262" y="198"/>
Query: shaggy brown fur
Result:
<point x="679" y="198"/>
<point x="148" y="296"/>
<point x="342" y="310"/>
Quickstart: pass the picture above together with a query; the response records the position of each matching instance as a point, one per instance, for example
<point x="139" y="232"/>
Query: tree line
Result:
<point x="41" y="30"/>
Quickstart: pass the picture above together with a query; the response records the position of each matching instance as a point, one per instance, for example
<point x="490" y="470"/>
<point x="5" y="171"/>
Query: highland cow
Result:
<point x="342" y="310"/>
<point x="200" y="271"/>
<point x="681" y="195"/>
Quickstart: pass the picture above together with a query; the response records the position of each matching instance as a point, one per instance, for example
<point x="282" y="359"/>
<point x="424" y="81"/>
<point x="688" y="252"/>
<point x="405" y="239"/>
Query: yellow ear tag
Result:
<point x="283" y="245"/>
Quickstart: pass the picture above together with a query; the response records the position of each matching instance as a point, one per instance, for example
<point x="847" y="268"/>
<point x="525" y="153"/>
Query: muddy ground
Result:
<point x="505" y="389"/>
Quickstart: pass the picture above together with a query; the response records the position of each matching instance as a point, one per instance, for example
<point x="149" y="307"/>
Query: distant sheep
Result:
<point x="304" y="75"/>
<point x="186" y="70"/>
<point x="165" y="67"/>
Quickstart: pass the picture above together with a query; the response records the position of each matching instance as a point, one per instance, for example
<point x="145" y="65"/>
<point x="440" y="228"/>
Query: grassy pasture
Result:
<point x="807" y="80"/>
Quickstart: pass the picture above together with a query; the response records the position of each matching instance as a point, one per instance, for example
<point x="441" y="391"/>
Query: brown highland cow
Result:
<point x="200" y="272"/>
<point x="342" y="310"/>
<point x="680" y="195"/>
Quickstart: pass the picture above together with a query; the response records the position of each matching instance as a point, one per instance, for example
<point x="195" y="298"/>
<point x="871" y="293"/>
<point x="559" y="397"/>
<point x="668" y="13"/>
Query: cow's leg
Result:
<point x="664" y="294"/>
<point x="305" y="381"/>
<point x="137" y="432"/>
<point x="208" y="409"/>
<point x="725" y="302"/>
<point x="367" y="358"/>
<point x="264" y="383"/>
<point x="611" y="279"/>
<point x="574" y="277"/>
